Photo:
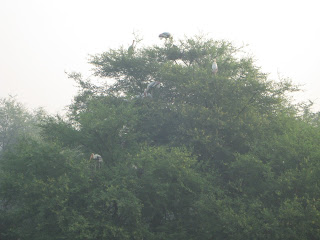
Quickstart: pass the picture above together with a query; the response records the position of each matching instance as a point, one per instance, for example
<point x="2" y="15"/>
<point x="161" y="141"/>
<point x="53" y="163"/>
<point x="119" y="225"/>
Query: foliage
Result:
<point x="16" y="121"/>
<point x="223" y="156"/>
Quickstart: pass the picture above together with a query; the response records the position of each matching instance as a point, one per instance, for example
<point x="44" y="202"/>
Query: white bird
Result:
<point x="131" y="48"/>
<point x="155" y="84"/>
<point x="152" y="85"/>
<point x="214" y="67"/>
<point x="165" y="35"/>
<point x="98" y="158"/>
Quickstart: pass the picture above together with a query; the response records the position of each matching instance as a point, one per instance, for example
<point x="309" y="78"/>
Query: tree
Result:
<point x="16" y="121"/>
<point x="224" y="156"/>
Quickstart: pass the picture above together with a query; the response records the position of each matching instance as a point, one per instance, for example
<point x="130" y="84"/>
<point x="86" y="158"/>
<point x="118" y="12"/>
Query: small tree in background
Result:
<point x="17" y="121"/>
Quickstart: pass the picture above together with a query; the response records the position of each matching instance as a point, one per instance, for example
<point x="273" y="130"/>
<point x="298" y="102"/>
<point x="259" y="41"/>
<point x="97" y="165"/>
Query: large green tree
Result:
<point x="208" y="156"/>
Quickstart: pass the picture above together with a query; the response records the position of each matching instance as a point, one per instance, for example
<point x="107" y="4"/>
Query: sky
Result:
<point x="41" y="40"/>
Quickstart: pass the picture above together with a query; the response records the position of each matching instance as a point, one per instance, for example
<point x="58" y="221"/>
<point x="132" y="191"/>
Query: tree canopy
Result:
<point x="205" y="156"/>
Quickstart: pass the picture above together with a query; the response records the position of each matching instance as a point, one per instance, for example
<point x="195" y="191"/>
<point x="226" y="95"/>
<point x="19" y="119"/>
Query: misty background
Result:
<point x="41" y="40"/>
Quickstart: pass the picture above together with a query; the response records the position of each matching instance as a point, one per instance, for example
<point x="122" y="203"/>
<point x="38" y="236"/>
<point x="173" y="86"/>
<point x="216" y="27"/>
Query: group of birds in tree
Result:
<point x="167" y="35"/>
<point x="148" y="92"/>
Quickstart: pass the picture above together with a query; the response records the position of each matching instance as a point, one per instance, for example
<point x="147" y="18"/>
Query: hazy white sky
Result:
<point x="41" y="39"/>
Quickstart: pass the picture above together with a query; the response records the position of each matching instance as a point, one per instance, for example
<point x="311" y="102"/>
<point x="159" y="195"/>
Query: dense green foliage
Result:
<point x="223" y="156"/>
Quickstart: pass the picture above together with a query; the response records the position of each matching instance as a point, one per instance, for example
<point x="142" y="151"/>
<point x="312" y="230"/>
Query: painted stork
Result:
<point x="165" y="35"/>
<point x="131" y="48"/>
<point x="97" y="158"/>
<point x="151" y="86"/>
<point x="214" y="67"/>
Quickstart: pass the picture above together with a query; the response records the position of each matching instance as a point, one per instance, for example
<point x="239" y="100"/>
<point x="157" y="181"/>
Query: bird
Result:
<point x="165" y="35"/>
<point x="98" y="158"/>
<point x="95" y="156"/>
<point x="152" y="85"/>
<point x="131" y="48"/>
<point x="214" y="67"/>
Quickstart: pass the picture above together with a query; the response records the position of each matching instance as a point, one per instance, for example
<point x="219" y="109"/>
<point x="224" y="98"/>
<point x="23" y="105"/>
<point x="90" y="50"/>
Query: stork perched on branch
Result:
<point x="131" y="48"/>
<point x="97" y="158"/>
<point x="150" y="87"/>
